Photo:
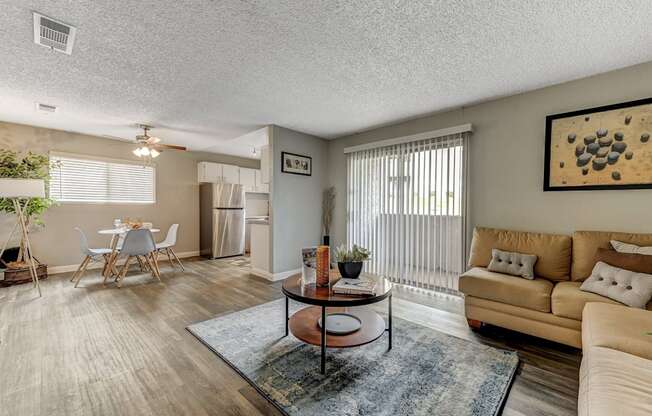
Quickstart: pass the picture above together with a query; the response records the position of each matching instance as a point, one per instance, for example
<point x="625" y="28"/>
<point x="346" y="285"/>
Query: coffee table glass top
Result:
<point x="313" y="295"/>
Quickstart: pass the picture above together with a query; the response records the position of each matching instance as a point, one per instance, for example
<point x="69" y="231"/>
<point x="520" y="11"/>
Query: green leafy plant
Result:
<point x="30" y="166"/>
<point x="356" y="254"/>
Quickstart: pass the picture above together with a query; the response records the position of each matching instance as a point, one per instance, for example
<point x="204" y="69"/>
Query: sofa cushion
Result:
<point x="627" y="287"/>
<point x="499" y="287"/>
<point x="586" y="244"/>
<point x="639" y="263"/>
<point x="614" y="383"/>
<point x="516" y="264"/>
<point x="553" y="251"/>
<point x="618" y="327"/>
<point x="567" y="300"/>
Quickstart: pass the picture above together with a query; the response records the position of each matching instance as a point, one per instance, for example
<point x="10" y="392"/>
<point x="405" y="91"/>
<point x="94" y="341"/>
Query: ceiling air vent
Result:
<point x="46" y="108"/>
<point x="53" y="34"/>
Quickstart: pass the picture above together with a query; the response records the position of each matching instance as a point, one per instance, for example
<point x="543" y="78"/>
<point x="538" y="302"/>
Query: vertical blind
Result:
<point x="85" y="179"/>
<point x="406" y="203"/>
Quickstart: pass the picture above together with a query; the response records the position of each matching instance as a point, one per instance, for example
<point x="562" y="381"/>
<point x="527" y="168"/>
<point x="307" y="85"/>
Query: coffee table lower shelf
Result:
<point x="304" y="326"/>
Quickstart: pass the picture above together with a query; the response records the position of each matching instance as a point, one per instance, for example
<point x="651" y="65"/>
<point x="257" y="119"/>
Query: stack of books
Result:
<point x="360" y="286"/>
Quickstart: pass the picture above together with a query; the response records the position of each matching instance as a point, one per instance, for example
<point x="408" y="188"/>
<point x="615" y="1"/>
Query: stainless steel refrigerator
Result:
<point x="222" y="220"/>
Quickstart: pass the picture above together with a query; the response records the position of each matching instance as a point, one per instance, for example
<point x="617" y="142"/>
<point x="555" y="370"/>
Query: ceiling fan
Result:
<point x="150" y="146"/>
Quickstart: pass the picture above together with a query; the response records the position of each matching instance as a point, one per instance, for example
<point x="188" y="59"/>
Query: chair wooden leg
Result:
<point x="150" y="260"/>
<point x="124" y="270"/>
<point x="112" y="268"/>
<point x="167" y="251"/>
<point x="81" y="265"/>
<point x="82" y="269"/>
<point x="106" y="264"/>
<point x="177" y="259"/>
<point x="155" y="261"/>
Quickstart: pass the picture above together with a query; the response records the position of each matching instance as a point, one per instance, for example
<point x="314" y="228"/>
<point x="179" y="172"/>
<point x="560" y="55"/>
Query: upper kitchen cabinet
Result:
<point x="248" y="179"/>
<point x="265" y="164"/>
<point x="260" y="186"/>
<point x="209" y="172"/>
<point x="230" y="174"/>
<point x="217" y="173"/>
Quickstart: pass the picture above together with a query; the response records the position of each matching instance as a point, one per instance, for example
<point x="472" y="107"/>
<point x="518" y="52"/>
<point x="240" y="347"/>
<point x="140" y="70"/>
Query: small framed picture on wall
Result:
<point x="296" y="164"/>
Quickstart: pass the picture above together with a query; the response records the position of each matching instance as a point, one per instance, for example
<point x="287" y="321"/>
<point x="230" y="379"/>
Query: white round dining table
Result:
<point x="115" y="233"/>
<point x="118" y="231"/>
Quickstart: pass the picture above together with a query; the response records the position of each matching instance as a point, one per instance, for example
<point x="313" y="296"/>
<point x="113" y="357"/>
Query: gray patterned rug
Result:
<point x="426" y="372"/>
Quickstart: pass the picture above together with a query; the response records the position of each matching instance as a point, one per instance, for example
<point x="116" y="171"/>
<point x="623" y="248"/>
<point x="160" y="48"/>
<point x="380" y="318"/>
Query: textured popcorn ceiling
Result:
<point x="205" y="72"/>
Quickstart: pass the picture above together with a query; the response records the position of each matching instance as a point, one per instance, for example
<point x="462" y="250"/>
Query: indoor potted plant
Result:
<point x="30" y="166"/>
<point x="349" y="262"/>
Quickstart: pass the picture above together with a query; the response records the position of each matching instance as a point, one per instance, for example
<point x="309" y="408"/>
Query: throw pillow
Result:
<point x="621" y="247"/>
<point x="516" y="264"/>
<point x="624" y="286"/>
<point x="638" y="263"/>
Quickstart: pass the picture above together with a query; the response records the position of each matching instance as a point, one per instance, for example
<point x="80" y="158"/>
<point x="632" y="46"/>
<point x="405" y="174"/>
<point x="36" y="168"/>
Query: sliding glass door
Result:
<point x="406" y="203"/>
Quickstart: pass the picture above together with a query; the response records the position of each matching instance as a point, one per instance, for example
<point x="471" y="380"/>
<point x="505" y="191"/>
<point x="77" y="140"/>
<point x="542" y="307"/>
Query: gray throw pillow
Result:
<point x="516" y="264"/>
<point x="631" y="288"/>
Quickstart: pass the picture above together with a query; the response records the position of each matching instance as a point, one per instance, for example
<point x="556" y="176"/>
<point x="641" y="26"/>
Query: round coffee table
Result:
<point x="307" y="326"/>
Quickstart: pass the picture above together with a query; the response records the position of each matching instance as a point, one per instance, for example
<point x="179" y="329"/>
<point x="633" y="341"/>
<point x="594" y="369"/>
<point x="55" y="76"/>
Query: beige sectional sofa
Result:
<point x="616" y="372"/>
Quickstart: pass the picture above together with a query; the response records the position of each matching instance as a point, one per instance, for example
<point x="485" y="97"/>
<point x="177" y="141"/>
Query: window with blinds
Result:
<point x="76" y="178"/>
<point x="406" y="203"/>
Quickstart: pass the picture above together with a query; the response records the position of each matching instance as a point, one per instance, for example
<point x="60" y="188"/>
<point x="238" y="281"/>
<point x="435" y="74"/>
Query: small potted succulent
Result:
<point x="349" y="262"/>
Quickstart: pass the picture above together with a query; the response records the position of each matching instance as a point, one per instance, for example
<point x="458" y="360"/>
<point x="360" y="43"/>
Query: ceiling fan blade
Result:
<point x="153" y="140"/>
<point x="161" y="146"/>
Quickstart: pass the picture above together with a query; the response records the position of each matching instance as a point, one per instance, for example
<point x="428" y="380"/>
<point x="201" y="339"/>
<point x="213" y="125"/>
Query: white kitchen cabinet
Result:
<point x="230" y="174"/>
<point x="260" y="186"/>
<point x="209" y="172"/>
<point x="248" y="179"/>
<point x="260" y="254"/>
<point x="266" y="164"/>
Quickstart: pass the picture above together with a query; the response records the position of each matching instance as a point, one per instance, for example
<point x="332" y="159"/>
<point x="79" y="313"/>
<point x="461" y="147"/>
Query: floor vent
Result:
<point x="53" y="34"/>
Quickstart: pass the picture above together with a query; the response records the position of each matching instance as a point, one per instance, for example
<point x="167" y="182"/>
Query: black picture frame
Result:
<point x="548" y="143"/>
<point x="285" y="169"/>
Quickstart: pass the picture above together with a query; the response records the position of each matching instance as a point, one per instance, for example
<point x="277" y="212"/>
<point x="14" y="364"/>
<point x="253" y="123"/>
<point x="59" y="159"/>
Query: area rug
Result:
<point x="426" y="372"/>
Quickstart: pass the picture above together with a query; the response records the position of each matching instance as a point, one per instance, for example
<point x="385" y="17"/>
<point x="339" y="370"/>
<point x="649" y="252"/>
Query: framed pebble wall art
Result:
<point x="600" y="148"/>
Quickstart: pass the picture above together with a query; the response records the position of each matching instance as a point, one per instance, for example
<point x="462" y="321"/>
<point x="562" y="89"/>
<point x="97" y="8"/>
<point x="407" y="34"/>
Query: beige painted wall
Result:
<point x="506" y="160"/>
<point x="177" y="193"/>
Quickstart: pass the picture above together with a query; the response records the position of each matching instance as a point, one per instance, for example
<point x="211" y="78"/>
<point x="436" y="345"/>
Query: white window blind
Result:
<point x="80" y="178"/>
<point x="406" y="203"/>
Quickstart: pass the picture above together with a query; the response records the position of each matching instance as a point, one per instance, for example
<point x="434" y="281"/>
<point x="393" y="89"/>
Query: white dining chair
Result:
<point x="140" y="244"/>
<point x="167" y="244"/>
<point x="91" y="255"/>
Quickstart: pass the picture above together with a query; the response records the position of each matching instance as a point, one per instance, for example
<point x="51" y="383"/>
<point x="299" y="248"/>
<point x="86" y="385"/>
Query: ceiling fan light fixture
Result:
<point x="154" y="153"/>
<point x="137" y="152"/>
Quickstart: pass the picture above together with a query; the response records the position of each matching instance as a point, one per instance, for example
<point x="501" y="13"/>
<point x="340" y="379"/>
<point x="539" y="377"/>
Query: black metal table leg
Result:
<point x="389" y="330"/>
<point x="287" y="315"/>
<point x="323" y="340"/>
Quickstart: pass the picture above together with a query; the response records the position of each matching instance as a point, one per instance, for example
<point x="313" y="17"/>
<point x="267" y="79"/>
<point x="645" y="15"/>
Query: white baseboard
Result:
<point x="274" y="277"/>
<point x="99" y="265"/>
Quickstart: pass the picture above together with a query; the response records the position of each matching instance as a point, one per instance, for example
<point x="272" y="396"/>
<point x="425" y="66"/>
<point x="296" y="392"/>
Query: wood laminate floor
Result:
<point x="106" y="351"/>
